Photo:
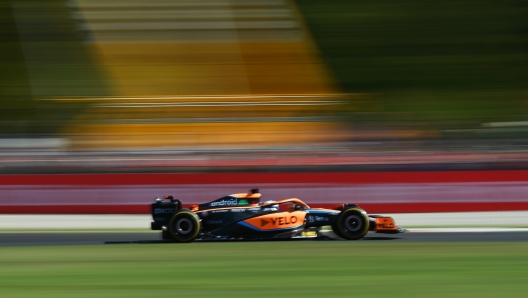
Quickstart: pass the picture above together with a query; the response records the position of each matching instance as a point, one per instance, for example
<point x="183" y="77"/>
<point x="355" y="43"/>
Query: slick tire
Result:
<point x="351" y="224"/>
<point x="184" y="226"/>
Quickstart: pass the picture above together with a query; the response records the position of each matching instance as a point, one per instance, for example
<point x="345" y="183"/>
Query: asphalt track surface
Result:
<point x="128" y="238"/>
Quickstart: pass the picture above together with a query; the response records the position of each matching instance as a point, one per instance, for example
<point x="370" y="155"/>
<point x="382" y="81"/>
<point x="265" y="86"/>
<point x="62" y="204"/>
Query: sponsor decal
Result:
<point x="238" y="210"/>
<point x="213" y="222"/>
<point x="205" y="214"/>
<point x="243" y="202"/>
<point x="231" y="202"/>
<point x="280" y="221"/>
<point x="314" y="218"/>
<point x="220" y="211"/>
<point x="163" y="210"/>
<point x="275" y="221"/>
<point x="253" y="209"/>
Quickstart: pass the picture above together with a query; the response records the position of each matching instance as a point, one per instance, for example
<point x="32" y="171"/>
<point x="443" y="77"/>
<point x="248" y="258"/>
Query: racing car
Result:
<point x="243" y="216"/>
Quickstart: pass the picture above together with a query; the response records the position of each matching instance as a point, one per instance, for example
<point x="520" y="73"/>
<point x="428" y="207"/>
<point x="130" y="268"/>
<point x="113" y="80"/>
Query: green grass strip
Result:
<point x="267" y="269"/>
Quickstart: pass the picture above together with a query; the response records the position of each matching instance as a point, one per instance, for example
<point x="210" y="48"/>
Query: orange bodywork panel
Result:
<point x="274" y="221"/>
<point x="385" y="224"/>
<point x="247" y="195"/>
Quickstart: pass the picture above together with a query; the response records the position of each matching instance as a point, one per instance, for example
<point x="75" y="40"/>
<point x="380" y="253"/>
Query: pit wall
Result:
<point x="376" y="192"/>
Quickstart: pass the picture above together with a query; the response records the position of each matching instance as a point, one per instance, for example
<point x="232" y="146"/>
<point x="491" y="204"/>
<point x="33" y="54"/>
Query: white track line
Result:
<point x="478" y="221"/>
<point x="465" y="230"/>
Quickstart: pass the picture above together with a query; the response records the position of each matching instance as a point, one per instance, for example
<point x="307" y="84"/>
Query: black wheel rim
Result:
<point x="353" y="223"/>
<point x="183" y="226"/>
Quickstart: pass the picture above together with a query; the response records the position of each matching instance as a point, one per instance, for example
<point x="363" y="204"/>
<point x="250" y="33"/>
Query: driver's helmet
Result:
<point x="272" y="207"/>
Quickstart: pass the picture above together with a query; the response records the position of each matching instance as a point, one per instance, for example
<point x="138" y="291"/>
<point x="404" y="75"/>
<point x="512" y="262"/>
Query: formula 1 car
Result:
<point x="243" y="216"/>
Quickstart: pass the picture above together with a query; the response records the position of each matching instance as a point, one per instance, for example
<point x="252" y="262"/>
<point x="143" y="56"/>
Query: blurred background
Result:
<point x="160" y="85"/>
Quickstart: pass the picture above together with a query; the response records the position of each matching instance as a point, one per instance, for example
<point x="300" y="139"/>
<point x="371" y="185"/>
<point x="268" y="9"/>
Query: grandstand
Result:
<point x="203" y="74"/>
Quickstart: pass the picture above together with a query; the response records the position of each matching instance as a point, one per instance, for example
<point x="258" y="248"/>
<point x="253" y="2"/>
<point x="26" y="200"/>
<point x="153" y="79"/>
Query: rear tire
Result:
<point x="351" y="224"/>
<point x="184" y="226"/>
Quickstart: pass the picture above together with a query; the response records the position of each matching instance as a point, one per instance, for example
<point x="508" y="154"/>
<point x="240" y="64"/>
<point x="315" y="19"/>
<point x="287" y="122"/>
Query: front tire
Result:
<point x="184" y="226"/>
<point x="351" y="224"/>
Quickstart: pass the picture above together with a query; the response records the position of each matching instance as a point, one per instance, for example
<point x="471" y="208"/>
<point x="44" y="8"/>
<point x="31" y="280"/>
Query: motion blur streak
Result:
<point x="215" y="50"/>
<point x="453" y="191"/>
<point x="235" y="79"/>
